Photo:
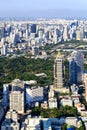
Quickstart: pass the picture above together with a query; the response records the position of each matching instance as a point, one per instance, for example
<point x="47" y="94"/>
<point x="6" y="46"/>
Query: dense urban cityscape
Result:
<point x="21" y="35"/>
<point x="43" y="74"/>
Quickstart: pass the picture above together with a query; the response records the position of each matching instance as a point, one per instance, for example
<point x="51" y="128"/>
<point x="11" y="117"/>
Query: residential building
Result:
<point x="85" y="85"/>
<point x="52" y="103"/>
<point x="66" y="101"/>
<point x="4" y="49"/>
<point x="17" y="101"/>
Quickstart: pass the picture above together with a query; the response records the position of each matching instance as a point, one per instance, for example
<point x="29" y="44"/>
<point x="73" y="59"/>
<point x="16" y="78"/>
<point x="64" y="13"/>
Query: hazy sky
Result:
<point x="48" y="8"/>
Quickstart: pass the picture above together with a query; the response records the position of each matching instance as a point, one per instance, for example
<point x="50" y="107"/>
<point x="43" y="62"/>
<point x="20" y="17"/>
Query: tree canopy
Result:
<point x="25" y="69"/>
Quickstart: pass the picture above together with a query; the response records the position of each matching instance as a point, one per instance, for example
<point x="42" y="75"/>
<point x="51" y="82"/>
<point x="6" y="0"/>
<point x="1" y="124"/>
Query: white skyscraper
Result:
<point x="17" y="101"/>
<point x="4" y="49"/>
<point x="65" y="33"/>
<point x="59" y="71"/>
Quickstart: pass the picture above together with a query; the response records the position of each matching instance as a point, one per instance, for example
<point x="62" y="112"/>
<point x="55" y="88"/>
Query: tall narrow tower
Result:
<point x="65" y="33"/>
<point x="58" y="71"/>
<point x="85" y="84"/>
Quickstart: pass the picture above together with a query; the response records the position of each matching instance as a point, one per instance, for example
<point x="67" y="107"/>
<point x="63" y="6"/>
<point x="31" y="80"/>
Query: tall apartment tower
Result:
<point x="4" y="49"/>
<point x="76" y="67"/>
<point x="78" y="35"/>
<point x="65" y="33"/>
<point x="17" y="101"/>
<point x="58" y="71"/>
<point x="85" y="84"/>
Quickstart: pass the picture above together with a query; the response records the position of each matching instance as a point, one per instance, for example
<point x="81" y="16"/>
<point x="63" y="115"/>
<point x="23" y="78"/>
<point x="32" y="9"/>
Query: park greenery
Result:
<point x="25" y="69"/>
<point x="55" y="113"/>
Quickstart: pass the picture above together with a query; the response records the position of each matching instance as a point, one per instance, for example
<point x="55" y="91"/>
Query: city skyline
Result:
<point x="48" y="9"/>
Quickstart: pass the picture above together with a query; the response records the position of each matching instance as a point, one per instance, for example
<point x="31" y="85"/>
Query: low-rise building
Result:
<point x="52" y="103"/>
<point x="32" y="124"/>
<point x="46" y="123"/>
<point x="37" y="124"/>
<point x="71" y="121"/>
<point x="12" y="115"/>
<point x="11" y="121"/>
<point x="80" y="107"/>
<point x="44" y="105"/>
<point x="66" y="102"/>
<point x="10" y="126"/>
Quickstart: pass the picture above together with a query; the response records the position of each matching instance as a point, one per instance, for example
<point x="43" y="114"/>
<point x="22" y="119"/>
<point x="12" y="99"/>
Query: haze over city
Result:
<point x="44" y="8"/>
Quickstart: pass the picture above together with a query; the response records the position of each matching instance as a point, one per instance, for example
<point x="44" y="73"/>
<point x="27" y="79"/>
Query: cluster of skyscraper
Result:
<point x="76" y="68"/>
<point x="24" y="34"/>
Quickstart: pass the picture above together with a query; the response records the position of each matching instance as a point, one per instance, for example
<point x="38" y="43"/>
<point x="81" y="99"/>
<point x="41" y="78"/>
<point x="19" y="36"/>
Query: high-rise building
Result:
<point x="2" y="32"/>
<point x="40" y="33"/>
<point x="34" y="94"/>
<point x="27" y="33"/>
<point x="59" y="71"/>
<point x="65" y="33"/>
<point x="33" y="28"/>
<point x="4" y="49"/>
<point x="85" y="83"/>
<point x="17" y="101"/>
<point x="6" y="94"/>
<point x="35" y="50"/>
<point x="78" y="35"/>
<point x="76" y="67"/>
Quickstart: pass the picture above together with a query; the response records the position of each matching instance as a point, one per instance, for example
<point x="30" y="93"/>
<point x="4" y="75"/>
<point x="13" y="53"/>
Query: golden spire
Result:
<point x="59" y="54"/>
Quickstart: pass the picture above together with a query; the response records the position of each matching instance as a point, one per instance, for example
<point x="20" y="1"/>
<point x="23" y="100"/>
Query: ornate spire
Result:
<point x="59" y="54"/>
